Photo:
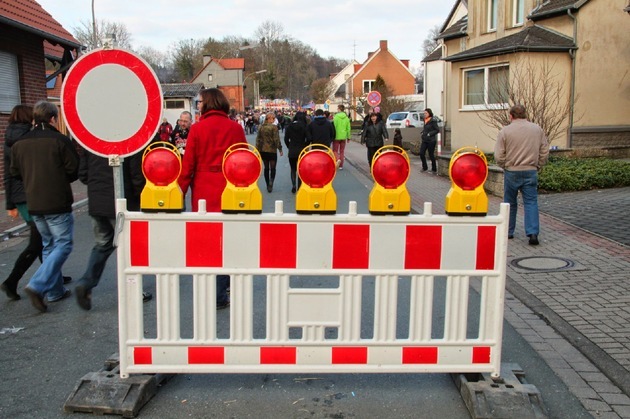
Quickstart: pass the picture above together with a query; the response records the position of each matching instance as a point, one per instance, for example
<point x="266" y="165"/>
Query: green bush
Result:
<point x="562" y="174"/>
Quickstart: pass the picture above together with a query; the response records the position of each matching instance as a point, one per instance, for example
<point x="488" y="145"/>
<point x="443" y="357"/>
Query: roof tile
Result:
<point x="29" y="14"/>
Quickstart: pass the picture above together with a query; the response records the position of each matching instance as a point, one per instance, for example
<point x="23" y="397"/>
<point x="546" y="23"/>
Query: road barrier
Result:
<point x="400" y="299"/>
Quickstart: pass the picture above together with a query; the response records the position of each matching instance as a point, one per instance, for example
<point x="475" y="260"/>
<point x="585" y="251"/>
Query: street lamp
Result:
<point x="256" y="97"/>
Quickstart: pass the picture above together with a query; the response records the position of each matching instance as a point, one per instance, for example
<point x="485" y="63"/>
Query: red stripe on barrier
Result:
<point x="206" y="355"/>
<point x="351" y="246"/>
<point x="139" y="243"/>
<point x="204" y="244"/>
<point x="142" y="355"/>
<point x="481" y="355"/>
<point x="278" y="355"/>
<point x="423" y="247"/>
<point x="420" y="355"/>
<point x="486" y="243"/>
<point x="278" y="246"/>
<point x="346" y="355"/>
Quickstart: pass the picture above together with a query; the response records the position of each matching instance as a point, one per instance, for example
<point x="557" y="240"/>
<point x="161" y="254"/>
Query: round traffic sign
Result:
<point x="112" y="102"/>
<point x="374" y="98"/>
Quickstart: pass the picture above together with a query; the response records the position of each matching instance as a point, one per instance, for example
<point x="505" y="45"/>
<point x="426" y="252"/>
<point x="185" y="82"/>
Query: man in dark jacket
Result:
<point x="47" y="163"/>
<point x="97" y="174"/>
<point x="321" y="130"/>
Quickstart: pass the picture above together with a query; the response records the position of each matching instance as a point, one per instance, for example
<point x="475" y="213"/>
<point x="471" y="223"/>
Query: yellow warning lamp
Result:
<point x="161" y="166"/>
<point x="316" y="169"/>
<point x="468" y="170"/>
<point x="241" y="167"/>
<point x="390" y="169"/>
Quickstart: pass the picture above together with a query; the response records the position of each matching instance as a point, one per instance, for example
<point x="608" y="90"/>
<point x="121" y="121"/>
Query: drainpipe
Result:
<point x="572" y="53"/>
<point x="444" y="96"/>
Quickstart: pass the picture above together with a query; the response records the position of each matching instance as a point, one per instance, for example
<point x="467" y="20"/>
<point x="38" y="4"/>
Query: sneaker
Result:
<point x="533" y="240"/>
<point x="84" y="297"/>
<point x="36" y="299"/>
<point x="340" y="167"/>
<point x="10" y="292"/>
<point x="146" y="296"/>
<point x="338" y="162"/>
<point x="67" y="279"/>
<point x="67" y="293"/>
<point x="223" y="305"/>
<point x="293" y="189"/>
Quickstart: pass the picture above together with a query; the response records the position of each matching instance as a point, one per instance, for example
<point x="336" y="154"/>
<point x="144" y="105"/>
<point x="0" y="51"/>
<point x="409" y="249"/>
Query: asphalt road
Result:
<point x="47" y="354"/>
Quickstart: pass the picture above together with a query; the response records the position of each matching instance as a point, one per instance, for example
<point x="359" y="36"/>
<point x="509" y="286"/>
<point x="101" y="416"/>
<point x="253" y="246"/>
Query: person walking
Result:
<point x="47" y="162"/>
<point x="429" y="134"/>
<point x="165" y="130"/>
<point x="268" y="145"/>
<point x="341" y="123"/>
<point x="321" y="130"/>
<point x="20" y="123"/>
<point x="398" y="138"/>
<point x="373" y="135"/>
<point x="521" y="150"/>
<point x="296" y="138"/>
<point x="98" y="175"/>
<point x="202" y="164"/>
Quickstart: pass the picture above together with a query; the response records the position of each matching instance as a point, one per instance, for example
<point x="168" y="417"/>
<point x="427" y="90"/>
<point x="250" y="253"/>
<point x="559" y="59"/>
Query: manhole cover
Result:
<point x="543" y="263"/>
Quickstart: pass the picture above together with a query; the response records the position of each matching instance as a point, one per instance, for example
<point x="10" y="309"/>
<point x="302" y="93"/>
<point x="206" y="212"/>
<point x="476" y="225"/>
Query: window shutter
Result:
<point x="10" y="82"/>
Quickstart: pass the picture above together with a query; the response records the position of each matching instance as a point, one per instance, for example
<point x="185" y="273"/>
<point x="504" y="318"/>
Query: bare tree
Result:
<point x="84" y="33"/>
<point x="430" y="43"/>
<point x="187" y="58"/>
<point x="160" y="62"/>
<point x="388" y="103"/>
<point x="536" y="86"/>
<point x="321" y="90"/>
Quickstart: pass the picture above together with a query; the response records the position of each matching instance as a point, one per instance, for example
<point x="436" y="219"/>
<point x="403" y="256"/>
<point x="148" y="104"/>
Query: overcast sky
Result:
<point x="338" y="28"/>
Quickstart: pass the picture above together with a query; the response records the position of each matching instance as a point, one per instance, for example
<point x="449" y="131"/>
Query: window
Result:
<point x="486" y="87"/>
<point x="10" y="82"/>
<point x="493" y="8"/>
<point x="174" y="104"/>
<point x="367" y="86"/>
<point x="519" y="11"/>
<point x="210" y="77"/>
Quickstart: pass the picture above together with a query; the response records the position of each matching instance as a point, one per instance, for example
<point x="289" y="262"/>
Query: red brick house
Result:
<point x="225" y="74"/>
<point x="383" y="62"/>
<point x="29" y="35"/>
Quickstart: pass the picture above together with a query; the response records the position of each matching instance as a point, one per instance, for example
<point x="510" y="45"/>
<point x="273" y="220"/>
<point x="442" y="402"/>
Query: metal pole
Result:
<point x="116" y="164"/>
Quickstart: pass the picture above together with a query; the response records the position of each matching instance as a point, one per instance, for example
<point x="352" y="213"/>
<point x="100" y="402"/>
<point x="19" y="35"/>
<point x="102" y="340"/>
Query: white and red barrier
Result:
<point x="421" y="248"/>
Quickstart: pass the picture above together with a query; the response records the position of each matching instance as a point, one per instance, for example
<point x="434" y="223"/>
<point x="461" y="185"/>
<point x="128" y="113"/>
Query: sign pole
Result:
<point x="115" y="162"/>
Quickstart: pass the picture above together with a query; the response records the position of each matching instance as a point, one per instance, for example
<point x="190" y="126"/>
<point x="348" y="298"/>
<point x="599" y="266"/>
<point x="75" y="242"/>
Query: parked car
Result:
<point x="404" y="119"/>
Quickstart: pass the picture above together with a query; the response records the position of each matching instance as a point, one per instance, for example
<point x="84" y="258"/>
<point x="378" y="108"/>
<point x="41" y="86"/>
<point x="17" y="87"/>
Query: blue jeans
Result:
<point x="525" y="181"/>
<point x="103" y="228"/>
<point x="56" y="231"/>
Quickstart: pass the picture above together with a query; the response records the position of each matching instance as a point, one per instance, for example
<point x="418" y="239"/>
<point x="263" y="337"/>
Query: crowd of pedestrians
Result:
<point x="41" y="163"/>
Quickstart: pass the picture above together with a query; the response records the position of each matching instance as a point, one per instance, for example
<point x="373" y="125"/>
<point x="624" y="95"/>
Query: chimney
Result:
<point x="206" y="59"/>
<point x="405" y="63"/>
<point x="383" y="45"/>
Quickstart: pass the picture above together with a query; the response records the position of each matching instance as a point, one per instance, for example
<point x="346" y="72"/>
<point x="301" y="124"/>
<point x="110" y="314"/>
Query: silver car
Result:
<point x="404" y="119"/>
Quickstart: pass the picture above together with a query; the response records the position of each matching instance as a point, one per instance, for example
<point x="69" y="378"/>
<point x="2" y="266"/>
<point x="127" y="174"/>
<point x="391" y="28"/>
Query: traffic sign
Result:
<point x="112" y="102"/>
<point x="374" y="98"/>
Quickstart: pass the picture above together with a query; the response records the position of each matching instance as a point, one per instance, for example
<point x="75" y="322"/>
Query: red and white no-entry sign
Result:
<point x="112" y="102"/>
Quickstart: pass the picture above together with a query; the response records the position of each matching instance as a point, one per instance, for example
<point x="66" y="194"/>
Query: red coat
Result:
<point x="201" y="167"/>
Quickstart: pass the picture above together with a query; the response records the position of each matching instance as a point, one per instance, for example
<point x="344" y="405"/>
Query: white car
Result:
<point x="404" y="119"/>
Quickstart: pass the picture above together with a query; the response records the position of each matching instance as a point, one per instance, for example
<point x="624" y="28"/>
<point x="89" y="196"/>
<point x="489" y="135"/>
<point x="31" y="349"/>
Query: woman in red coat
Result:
<point x="207" y="141"/>
<point x="201" y="168"/>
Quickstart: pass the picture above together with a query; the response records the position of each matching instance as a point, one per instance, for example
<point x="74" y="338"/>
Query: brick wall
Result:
<point x="29" y="50"/>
